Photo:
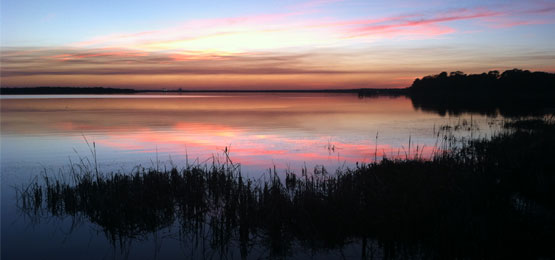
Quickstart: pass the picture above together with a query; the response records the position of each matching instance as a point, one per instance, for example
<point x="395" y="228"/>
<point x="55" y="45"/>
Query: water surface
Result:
<point x="260" y="130"/>
<point x="287" y="131"/>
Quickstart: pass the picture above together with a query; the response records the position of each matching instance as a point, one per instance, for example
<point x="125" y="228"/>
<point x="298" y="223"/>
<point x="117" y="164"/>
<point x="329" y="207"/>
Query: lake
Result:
<point x="259" y="131"/>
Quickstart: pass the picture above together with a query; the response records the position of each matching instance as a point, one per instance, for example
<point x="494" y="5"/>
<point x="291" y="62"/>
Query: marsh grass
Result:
<point x="484" y="198"/>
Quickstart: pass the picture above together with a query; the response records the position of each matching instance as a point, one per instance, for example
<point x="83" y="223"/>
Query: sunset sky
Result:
<point x="319" y="44"/>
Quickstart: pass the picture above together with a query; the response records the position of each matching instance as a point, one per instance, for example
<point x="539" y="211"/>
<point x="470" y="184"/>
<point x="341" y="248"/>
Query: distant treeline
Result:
<point x="101" y="90"/>
<point x="511" y="93"/>
<point x="514" y="92"/>
<point x="515" y="81"/>
<point x="63" y="90"/>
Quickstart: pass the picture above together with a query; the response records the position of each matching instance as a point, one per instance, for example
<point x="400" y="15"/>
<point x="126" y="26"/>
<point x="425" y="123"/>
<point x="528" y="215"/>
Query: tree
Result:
<point x="456" y="73"/>
<point x="493" y="74"/>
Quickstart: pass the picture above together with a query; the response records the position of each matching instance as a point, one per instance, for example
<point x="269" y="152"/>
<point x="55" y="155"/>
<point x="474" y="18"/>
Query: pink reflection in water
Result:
<point x="248" y="147"/>
<point x="261" y="130"/>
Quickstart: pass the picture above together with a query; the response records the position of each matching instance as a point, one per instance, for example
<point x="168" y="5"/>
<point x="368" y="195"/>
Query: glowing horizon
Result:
<point x="279" y="45"/>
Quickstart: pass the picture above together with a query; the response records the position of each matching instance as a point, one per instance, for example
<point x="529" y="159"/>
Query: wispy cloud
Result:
<point x="421" y="24"/>
<point x="377" y="66"/>
<point x="277" y="49"/>
<point x="292" y="29"/>
<point x="126" y="62"/>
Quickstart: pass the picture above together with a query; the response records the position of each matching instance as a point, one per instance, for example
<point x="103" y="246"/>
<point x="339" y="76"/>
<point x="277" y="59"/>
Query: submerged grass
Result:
<point x="491" y="198"/>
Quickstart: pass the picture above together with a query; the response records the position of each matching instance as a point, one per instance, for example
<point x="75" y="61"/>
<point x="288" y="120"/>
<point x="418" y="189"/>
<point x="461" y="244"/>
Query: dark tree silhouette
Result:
<point x="512" y="93"/>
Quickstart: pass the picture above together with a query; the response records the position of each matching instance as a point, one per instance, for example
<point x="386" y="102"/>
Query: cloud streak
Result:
<point x="292" y="29"/>
<point x="331" y="68"/>
<point x="300" y="46"/>
<point x="426" y="26"/>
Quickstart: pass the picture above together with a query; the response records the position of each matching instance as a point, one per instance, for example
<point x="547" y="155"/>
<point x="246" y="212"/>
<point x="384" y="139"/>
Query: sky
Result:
<point x="314" y="44"/>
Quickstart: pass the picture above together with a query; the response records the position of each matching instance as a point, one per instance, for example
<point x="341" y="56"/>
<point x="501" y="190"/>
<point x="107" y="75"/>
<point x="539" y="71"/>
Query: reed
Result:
<point x="485" y="198"/>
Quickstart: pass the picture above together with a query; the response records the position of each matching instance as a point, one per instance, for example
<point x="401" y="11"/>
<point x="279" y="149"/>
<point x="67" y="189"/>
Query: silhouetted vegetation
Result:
<point x="362" y="92"/>
<point x="63" y="90"/>
<point x="392" y="92"/>
<point x="483" y="198"/>
<point x="102" y="90"/>
<point x="511" y="93"/>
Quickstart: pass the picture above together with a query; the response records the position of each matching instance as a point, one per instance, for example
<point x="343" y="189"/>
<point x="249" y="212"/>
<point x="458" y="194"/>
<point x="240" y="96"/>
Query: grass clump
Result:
<point x="484" y="199"/>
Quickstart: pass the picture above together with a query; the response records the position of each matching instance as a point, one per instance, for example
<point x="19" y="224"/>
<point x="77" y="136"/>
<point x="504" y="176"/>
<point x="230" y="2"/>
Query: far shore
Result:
<point x="511" y="83"/>
<point x="102" y="90"/>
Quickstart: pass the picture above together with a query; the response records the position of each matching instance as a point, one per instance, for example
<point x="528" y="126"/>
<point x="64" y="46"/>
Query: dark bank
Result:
<point x="475" y="198"/>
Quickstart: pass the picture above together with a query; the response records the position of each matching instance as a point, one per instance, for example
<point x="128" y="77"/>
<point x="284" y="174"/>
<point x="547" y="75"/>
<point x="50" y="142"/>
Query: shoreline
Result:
<point x="101" y="90"/>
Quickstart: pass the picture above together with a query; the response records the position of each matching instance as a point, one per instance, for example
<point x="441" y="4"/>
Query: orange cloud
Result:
<point x="90" y="54"/>
<point x="274" y="51"/>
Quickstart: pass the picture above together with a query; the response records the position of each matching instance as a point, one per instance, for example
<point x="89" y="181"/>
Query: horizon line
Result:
<point x="214" y="90"/>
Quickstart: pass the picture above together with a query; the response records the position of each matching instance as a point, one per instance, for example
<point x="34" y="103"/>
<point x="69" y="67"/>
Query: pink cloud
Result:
<point x="109" y="53"/>
<point x="508" y="23"/>
<point x="421" y="26"/>
<point x="547" y="8"/>
<point x="255" y="28"/>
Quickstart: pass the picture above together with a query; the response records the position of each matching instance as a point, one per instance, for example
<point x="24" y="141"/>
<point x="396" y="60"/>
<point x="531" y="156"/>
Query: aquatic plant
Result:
<point x="486" y="198"/>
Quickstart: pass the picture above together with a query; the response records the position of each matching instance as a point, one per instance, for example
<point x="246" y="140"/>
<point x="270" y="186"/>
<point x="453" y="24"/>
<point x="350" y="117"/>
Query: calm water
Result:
<point x="288" y="131"/>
